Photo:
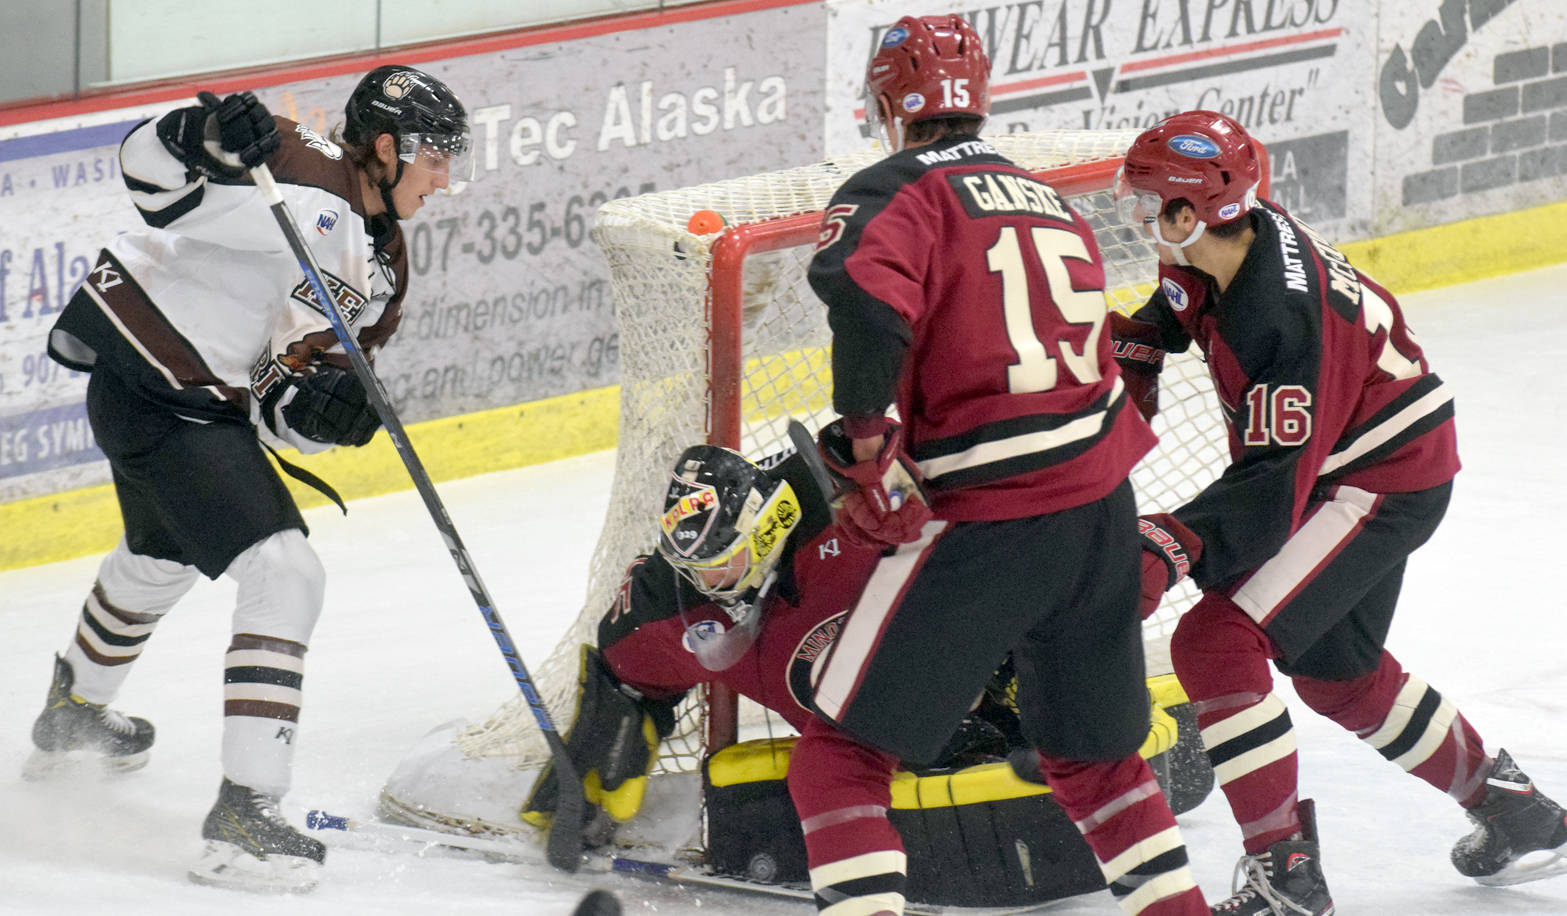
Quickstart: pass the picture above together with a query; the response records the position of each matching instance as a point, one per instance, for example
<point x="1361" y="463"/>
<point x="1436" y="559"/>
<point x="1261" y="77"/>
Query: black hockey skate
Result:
<point x="1285" y="880"/>
<point x="1514" y="821"/>
<point x="251" y="847"/>
<point x="71" y="729"/>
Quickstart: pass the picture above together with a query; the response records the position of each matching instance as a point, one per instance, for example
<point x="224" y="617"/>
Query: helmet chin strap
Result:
<point x="1178" y="249"/>
<point x="386" y="191"/>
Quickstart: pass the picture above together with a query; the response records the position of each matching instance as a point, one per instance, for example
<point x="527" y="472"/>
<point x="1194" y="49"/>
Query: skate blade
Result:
<point x="228" y="866"/>
<point x="46" y="765"/>
<point x="1542" y="863"/>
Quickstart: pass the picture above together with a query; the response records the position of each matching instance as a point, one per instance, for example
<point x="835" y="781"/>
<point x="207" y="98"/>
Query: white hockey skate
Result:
<point x="250" y="846"/>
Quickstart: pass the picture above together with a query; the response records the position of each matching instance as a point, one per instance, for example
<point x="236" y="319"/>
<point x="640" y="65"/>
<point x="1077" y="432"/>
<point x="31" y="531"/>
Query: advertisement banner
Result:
<point x="509" y="298"/>
<point x="1297" y="73"/>
<point x="1471" y="110"/>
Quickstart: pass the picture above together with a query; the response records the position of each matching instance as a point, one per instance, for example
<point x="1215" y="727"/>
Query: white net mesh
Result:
<point x="660" y="277"/>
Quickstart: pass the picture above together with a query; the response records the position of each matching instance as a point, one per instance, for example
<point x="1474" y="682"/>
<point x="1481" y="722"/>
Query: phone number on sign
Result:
<point x="37" y="369"/>
<point x="506" y="233"/>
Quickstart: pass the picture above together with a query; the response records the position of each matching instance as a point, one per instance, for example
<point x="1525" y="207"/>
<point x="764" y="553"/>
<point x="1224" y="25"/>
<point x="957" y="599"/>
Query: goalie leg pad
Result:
<point x="975" y="836"/>
<point x="613" y="742"/>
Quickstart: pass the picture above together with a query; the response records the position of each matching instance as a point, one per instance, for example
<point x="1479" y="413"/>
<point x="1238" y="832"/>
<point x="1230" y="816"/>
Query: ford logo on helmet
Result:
<point x="1194" y="147"/>
<point x="894" y="37"/>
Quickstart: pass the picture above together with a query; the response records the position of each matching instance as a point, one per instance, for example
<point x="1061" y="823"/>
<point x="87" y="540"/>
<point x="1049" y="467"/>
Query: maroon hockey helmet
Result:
<point x="927" y="67"/>
<point x="1204" y="157"/>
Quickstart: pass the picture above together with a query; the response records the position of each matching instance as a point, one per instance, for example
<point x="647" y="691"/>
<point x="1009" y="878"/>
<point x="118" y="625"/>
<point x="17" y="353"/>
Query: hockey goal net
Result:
<point x="722" y="340"/>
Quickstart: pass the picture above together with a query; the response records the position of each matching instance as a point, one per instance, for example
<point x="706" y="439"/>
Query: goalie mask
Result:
<point x="724" y="529"/>
<point x="1203" y="157"/>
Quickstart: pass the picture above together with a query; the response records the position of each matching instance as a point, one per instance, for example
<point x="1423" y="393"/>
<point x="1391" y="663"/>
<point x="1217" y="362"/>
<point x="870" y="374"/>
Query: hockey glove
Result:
<point x="330" y="405"/>
<point x="886" y="504"/>
<point x="1138" y="353"/>
<point x="220" y="139"/>
<point x="1170" y="550"/>
<point x="246" y="133"/>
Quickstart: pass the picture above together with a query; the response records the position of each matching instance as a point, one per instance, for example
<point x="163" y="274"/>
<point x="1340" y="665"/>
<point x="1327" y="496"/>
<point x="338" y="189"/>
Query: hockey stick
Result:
<point x="805" y="444"/>
<point x="564" y="848"/>
<point x="372" y="831"/>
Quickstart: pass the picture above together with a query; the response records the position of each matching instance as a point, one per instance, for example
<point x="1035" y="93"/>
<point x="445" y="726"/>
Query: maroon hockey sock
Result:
<point x="1127" y="823"/>
<point x="1409" y="723"/>
<point x="1221" y="657"/>
<point x="842" y="790"/>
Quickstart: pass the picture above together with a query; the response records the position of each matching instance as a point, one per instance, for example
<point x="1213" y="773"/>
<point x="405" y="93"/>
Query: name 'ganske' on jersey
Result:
<point x="1005" y="194"/>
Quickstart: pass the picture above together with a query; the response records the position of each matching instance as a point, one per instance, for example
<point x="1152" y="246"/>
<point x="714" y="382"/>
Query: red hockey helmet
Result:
<point x="1202" y="156"/>
<point x="927" y="67"/>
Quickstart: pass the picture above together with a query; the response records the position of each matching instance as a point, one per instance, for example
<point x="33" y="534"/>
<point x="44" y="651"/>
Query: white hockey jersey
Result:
<point x="207" y="309"/>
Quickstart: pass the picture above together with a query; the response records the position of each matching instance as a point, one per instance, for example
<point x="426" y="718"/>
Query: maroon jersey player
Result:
<point x="1343" y="452"/>
<point x="966" y="293"/>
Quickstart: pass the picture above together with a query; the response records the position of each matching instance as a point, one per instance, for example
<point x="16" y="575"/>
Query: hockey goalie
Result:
<point x="748" y="587"/>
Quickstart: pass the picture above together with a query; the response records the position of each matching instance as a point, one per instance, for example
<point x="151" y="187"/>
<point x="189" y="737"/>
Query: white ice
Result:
<point x="401" y="649"/>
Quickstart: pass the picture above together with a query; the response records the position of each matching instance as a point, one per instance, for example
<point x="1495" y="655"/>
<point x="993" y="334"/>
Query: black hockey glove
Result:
<point x="1170" y="550"/>
<point x="220" y="138"/>
<point x="245" y="127"/>
<point x="331" y="406"/>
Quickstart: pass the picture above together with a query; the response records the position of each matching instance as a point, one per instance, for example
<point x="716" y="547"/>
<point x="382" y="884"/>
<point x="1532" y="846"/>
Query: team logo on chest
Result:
<point x="350" y="301"/>
<point x="806" y="661"/>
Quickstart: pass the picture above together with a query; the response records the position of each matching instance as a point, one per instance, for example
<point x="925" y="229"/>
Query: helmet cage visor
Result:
<point x="1134" y="206"/>
<point x="449" y="154"/>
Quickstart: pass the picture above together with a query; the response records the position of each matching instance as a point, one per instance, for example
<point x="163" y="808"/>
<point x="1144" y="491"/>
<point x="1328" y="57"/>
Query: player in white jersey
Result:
<point x="204" y="344"/>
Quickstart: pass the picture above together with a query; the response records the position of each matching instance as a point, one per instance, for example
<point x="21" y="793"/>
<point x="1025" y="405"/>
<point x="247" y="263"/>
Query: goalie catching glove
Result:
<point x="887" y="505"/>
<point x="613" y="743"/>
<point x="1170" y="551"/>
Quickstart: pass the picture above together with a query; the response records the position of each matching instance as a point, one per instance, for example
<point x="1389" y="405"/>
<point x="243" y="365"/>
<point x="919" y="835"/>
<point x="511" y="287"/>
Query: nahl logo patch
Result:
<point x="1176" y="293"/>
<point x="350" y="301"/>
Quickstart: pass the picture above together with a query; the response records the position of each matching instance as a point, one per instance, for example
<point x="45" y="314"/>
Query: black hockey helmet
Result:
<point x="422" y="114"/>
<point x="725" y="521"/>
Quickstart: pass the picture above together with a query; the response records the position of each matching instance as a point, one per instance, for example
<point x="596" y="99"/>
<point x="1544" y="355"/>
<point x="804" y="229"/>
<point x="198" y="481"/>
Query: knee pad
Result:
<point x="142" y="584"/>
<point x="281" y="587"/>
<point x="829" y="771"/>
<point x="1358" y="703"/>
<point x="1217" y="650"/>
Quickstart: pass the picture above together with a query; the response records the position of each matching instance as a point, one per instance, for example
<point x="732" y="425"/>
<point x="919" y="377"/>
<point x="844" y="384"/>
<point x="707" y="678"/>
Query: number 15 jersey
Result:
<point x="968" y="293"/>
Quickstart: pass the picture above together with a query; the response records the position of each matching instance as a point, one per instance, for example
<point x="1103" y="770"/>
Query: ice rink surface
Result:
<point x="401" y="649"/>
